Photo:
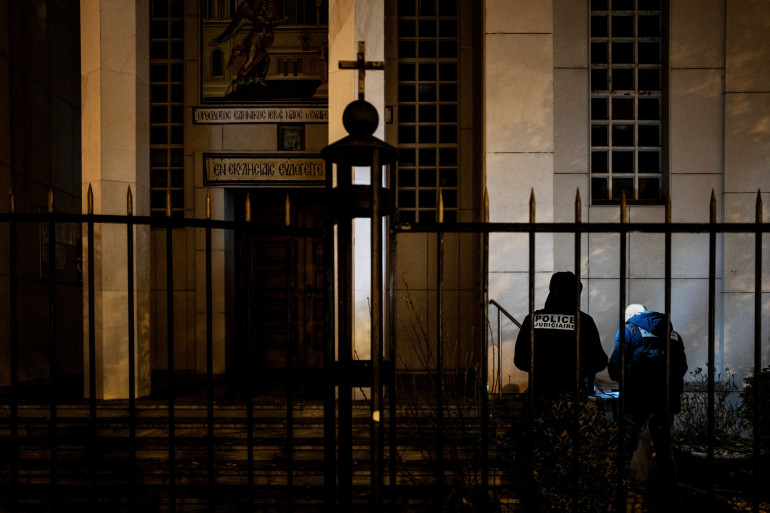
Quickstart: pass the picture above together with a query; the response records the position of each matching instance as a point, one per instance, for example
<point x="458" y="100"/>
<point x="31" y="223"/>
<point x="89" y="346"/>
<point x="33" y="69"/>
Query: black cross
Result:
<point x="361" y="65"/>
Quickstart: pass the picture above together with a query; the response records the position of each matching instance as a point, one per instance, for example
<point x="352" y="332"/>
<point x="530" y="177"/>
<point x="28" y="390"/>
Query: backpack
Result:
<point x="646" y="367"/>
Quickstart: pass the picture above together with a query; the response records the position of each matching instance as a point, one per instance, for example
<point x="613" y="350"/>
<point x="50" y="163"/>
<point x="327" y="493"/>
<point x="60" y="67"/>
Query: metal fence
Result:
<point x="345" y="464"/>
<point x="758" y="462"/>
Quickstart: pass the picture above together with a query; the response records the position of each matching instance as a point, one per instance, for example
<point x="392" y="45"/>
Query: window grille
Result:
<point x="427" y="109"/>
<point x="627" y="101"/>
<point x="167" y="106"/>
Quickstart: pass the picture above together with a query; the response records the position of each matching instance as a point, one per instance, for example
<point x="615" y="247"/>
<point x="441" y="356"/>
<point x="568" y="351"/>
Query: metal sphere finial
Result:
<point x="360" y="118"/>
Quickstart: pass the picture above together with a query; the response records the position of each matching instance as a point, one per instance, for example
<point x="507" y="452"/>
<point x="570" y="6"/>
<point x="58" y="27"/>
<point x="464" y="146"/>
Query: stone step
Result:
<point x="76" y="484"/>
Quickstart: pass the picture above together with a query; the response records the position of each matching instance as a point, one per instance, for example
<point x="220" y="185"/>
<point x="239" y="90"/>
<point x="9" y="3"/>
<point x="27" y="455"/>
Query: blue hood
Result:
<point x="654" y="322"/>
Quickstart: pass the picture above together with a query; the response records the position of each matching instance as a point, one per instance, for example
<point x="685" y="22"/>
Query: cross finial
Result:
<point x="361" y="65"/>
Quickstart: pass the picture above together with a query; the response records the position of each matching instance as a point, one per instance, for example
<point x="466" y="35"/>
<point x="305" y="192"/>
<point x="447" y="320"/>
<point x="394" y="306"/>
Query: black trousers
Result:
<point x="660" y="431"/>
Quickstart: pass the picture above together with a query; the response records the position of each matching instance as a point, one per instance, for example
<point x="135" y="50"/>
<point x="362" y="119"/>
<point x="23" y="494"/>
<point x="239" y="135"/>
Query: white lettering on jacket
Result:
<point x="554" y="322"/>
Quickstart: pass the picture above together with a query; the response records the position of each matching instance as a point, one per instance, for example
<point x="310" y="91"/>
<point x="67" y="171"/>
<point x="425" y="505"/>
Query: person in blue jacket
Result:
<point x="645" y="384"/>
<point x="555" y="340"/>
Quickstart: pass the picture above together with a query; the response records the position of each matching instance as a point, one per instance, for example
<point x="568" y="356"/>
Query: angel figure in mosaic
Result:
<point x="252" y="52"/>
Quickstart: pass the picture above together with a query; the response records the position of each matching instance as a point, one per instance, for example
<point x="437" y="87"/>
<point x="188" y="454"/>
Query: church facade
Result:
<point x="223" y="107"/>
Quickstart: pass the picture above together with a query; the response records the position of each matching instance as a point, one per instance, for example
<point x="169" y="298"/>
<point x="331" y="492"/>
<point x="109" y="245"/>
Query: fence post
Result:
<point x="170" y="354"/>
<point x="483" y="379"/>
<point x="757" y="413"/>
<point x="578" y="288"/>
<point x="376" y="334"/>
<point x="391" y="330"/>
<point x="14" y="356"/>
<point x="578" y="381"/>
<point x="439" y="347"/>
<point x="621" y="461"/>
<point x="249" y="384"/>
<point x="330" y="316"/>
<point x="667" y="307"/>
<point x="209" y="359"/>
<point x="289" y="365"/>
<point x="91" y="336"/>
<point x="531" y="384"/>
<point x="131" y="348"/>
<point x="53" y="378"/>
<point x="711" y="338"/>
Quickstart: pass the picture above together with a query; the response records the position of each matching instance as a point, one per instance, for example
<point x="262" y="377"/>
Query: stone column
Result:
<point x="115" y="149"/>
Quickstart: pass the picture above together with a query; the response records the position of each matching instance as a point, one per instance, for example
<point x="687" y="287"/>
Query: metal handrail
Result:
<point x="503" y="311"/>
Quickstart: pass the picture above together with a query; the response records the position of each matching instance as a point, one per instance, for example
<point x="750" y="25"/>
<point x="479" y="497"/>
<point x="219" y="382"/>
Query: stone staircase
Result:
<point x="77" y="474"/>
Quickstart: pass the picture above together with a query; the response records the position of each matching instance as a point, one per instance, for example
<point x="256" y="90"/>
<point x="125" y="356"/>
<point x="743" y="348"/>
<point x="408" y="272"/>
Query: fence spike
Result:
<point x="759" y="207"/>
<point x="532" y="205"/>
<point x="50" y="200"/>
<point x="129" y="202"/>
<point x="288" y="210"/>
<point x="623" y="215"/>
<point x="90" y="197"/>
<point x="578" y="207"/>
<point x="440" y="206"/>
<point x="713" y="208"/>
<point x="11" y="200"/>
<point x="208" y="204"/>
<point x="248" y="207"/>
<point x="168" y="203"/>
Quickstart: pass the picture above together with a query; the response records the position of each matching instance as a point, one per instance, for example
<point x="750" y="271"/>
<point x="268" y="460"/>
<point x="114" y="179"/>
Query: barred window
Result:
<point x="166" y="106"/>
<point x="627" y="101"/>
<point x="427" y="109"/>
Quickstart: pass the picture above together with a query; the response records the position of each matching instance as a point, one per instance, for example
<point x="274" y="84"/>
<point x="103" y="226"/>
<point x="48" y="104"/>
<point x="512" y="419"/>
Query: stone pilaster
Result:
<point x="115" y="150"/>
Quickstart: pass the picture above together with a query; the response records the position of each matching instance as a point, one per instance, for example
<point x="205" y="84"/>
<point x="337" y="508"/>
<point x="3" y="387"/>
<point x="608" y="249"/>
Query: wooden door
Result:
<point x="279" y="287"/>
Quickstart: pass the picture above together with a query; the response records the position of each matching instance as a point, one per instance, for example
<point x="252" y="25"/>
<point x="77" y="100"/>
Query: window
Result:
<point x="167" y="106"/>
<point x="427" y="109"/>
<point x="627" y="101"/>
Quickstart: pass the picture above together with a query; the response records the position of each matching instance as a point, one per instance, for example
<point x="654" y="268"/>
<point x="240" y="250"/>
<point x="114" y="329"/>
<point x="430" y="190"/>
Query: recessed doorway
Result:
<point x="277" y="290"/>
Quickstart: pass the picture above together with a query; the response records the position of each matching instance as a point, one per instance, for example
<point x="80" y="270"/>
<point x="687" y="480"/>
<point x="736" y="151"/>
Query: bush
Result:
<point x="747" y="394"/>
<point x="691" y="423"/>
<point x="558" y="481"/>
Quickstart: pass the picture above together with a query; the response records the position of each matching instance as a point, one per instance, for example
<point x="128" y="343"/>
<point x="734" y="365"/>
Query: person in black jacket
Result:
<point x="555" y="342"/>
<point x="645" y="391"/>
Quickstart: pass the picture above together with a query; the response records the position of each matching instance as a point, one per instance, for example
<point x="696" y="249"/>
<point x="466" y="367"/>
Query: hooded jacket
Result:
<point x="555" y="340"/>
<point x="645" y="361"/>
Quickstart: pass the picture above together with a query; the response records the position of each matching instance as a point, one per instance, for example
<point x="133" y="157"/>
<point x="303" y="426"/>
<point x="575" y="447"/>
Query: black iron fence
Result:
<point x="283" y="453"/>
<point x="753" y="467"/>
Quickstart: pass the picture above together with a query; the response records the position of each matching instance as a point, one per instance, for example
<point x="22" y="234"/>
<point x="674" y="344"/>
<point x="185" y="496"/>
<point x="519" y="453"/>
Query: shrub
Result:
<point x="691" y="423"/>
<point x="558" y="481"/>
<point x="747" y="394"/>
